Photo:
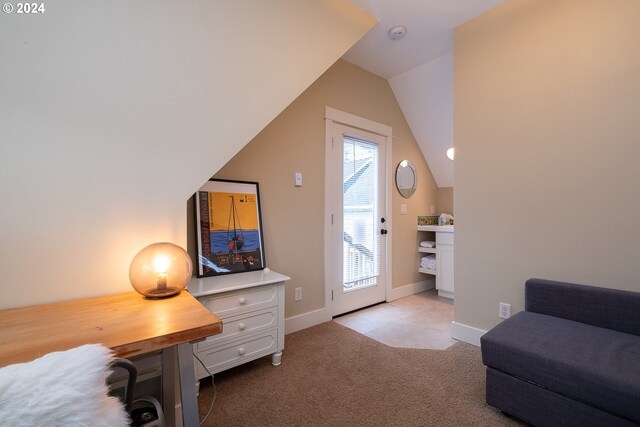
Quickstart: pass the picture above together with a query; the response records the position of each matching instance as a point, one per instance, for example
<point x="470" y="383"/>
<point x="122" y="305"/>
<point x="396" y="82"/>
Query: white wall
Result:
<point x="114" y="112"/>
<point x="425" y="94"/>
<point x="547" y="103"/>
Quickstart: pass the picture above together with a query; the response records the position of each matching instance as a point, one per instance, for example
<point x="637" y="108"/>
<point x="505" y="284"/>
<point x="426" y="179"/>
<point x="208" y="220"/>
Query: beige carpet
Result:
<point x="333" y="376"/>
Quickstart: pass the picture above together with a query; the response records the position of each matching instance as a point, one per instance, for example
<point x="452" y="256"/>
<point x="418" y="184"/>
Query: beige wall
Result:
<point x="113" y="113"/>
<point x="445" y="200"/>
<point x="547" y="101"/>
<point x="293" y="218"/>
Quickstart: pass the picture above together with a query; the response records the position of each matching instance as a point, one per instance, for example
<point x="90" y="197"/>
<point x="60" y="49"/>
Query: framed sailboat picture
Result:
<point x="228" y="228"/>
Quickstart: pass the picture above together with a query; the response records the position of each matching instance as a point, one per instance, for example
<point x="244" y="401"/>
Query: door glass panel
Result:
<point x="361" y="240"/>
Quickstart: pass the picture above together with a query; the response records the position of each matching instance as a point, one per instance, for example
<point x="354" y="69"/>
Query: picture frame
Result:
<point x="228" y="228"/>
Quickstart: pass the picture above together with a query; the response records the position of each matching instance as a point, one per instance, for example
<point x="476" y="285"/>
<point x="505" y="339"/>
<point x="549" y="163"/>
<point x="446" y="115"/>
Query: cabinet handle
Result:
<point x="242" y="301"/>
<point x="241" y="326"/>
<point x="241" y="351"/>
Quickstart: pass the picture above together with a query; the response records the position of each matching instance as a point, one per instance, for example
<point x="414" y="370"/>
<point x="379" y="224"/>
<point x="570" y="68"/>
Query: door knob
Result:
<point x="383" y="231"/>
<point x="382" y="220"/>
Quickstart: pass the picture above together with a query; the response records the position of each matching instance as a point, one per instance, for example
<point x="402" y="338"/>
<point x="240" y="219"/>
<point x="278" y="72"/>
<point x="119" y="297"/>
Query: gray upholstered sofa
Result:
<point x="572" y="358"/>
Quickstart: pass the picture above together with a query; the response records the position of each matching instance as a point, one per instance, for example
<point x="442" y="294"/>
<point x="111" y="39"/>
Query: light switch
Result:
<point x="403" y="209"/>
<point x="298" y="179"/>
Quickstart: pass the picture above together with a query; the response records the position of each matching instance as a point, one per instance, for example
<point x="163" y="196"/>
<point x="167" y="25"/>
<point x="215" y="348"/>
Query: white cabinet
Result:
<point x="444" y="262"/>
<point x="251" y="307"/>
<point x="444" y="258"/>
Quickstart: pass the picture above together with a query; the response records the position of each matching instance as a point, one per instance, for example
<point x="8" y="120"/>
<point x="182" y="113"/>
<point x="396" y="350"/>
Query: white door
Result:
<point x="358" y="226"/>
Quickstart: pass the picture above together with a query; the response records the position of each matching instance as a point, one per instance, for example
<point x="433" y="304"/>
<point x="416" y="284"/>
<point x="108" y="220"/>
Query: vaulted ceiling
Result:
<point x="419" y="67"/>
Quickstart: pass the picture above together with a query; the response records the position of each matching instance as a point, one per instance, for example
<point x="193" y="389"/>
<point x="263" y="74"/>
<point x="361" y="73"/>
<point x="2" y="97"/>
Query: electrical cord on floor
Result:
<point x="215" y="390"/>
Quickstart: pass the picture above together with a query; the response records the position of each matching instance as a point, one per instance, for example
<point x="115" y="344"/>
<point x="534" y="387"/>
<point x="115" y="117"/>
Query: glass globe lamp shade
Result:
<point x="160" y="270"/>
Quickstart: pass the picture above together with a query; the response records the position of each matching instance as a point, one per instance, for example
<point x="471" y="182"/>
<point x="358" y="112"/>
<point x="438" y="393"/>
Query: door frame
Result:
<point x="342" y="118"/>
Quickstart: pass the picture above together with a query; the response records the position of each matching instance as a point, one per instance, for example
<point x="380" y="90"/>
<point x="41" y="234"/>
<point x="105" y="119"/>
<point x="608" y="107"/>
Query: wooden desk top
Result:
<point x="127" y="323"/>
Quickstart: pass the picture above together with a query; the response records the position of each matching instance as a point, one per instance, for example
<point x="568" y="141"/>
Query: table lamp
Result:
<point x="160" y="270"/>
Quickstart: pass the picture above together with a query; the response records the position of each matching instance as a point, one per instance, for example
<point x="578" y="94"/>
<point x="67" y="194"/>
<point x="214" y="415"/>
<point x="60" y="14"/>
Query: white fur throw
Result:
<point x="65" y="388"/>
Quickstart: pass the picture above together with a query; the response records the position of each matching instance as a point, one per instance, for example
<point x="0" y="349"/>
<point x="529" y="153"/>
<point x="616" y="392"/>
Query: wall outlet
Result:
<point x="298" y="294"/>
<point x="403" y="209"/>
<point x="504" y="311"/>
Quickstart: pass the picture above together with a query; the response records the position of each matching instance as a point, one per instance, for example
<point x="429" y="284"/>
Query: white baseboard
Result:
<point x="465" y="333"/>
<point x="413" y="288"/>
<point x="306" y="320"/>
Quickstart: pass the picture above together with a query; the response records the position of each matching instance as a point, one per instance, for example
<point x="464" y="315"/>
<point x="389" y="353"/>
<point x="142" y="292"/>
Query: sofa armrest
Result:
<point x="606" y="308"/>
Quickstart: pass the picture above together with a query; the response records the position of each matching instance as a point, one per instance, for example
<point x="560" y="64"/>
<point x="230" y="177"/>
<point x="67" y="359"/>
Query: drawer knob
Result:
<point x="242" y="300"/>
<point x="241" y="326"/>
<point x="241" y="351"/>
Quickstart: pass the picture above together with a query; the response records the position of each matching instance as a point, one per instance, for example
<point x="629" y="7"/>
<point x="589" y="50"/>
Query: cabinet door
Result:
<point x="445" y="268"/>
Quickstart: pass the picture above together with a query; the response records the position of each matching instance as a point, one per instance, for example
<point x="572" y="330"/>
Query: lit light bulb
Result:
<point x="161" y="265"/>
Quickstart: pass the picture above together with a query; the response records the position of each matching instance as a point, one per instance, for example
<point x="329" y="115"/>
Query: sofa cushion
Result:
<point x="598" y="366"/>
<point x="607" y="308"/>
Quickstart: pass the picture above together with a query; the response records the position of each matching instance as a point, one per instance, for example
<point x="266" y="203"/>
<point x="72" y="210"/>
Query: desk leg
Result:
<point x="188" y="386"/>
<point x="185" y="370"/>
<point x="169" y="372"/>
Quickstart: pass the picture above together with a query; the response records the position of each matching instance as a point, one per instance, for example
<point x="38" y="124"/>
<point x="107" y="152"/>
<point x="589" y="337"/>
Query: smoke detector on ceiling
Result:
<point x="398" y="32"/>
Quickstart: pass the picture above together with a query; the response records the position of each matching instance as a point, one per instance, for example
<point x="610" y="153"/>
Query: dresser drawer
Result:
<point x="224" y="356"/>
<point x="237" y="326"/>
<point x="242" y="301"/>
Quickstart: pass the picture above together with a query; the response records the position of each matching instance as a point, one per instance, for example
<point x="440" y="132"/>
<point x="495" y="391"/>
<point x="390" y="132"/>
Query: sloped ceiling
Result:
<point x="113" y="113"/>
<point x="425" y="94"/>
<point x="419" y="67"/>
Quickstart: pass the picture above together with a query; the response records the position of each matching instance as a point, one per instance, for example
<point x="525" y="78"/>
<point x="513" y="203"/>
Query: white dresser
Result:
<point x="251" y="307"/>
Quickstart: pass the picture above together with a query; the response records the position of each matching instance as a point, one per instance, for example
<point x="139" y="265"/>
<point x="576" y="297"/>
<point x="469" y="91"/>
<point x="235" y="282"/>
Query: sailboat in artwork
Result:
<point x="236" y="242"/>
<point x="242" y="252"/>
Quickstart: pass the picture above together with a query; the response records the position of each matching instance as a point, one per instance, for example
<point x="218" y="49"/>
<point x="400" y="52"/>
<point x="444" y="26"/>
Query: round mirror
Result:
<point x="406" y="178"/>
